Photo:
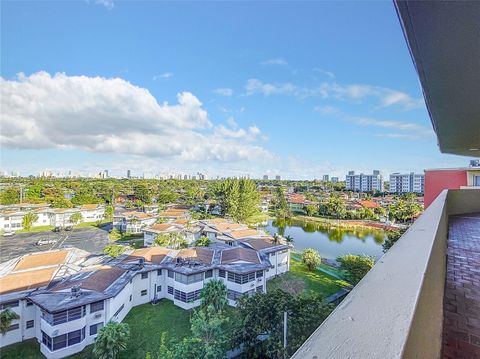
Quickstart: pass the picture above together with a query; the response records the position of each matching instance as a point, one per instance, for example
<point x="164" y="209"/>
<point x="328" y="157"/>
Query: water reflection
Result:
<point x="328" y="239"/>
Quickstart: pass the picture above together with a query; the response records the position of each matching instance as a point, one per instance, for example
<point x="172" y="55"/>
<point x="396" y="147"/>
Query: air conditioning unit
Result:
<point x="259" y="279"/>
<point x="55" y="333"/>
<point x="97" y="315"/>
<point x="252" y="285"/>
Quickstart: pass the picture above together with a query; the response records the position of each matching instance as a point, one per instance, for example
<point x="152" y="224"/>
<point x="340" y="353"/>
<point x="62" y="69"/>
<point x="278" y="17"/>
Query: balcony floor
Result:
<point x="461" y="326"/>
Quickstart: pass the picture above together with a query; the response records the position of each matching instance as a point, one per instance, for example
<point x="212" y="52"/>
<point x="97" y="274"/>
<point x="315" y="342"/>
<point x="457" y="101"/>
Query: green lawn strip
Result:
<point x="29" y="349"/>
<point x="36" y="229"/>
<point x="316" y="281"/>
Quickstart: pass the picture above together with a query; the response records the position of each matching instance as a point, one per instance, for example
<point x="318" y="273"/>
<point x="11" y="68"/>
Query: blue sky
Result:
<point x="299" y="89"/>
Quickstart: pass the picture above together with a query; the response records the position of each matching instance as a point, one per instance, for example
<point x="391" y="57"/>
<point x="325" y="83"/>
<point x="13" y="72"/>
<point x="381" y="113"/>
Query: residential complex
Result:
<point x="64" y="297"/>
<point x="11" y="217"/>
<point x="407" y="183"/>
<point x="364" y="183"/>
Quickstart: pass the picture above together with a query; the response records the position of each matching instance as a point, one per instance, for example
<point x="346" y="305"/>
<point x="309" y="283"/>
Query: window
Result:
<point x="159" y="288"/>
<point x="95" y="328"/>
<point x="63" y="316"/>
<point x="187" y="297"/>
<point x="143" y="292"/>
<point x="130" y="297"/>
<point x="233" y="295"/>
<point x="170" y="274"/>
<point x="260" y="274"/>
<point x="11" y="304"/>
<point x="241" y="278"/>
<point x="476" y="181"/>
<point x="118" y="311"/>
<point x="144" y="275"/>
<point x="208" y="274"/>
<point x="259" y="289"/>
<point x="76" y="336"/>
<point x="188" y="279"/>
<point x="96" y="306"/>
<point x="29" y="303"/>
<point x="30" y="324"/>
<point x="64" y="340"/>
<point x="221" y="273"/>
<point x="13" y="327"/>
<point x="159" y="272"/>
<point x="170" y="290"/>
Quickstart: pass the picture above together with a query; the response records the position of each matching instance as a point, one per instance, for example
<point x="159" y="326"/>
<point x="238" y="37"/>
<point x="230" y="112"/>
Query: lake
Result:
<point x="329" y="242"/>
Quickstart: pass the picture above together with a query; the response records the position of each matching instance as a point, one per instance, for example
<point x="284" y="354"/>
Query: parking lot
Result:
<point x="90" y="239"/>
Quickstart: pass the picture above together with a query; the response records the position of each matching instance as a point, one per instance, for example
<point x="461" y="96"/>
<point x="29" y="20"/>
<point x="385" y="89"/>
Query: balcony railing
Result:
<point x="396" y="311"/>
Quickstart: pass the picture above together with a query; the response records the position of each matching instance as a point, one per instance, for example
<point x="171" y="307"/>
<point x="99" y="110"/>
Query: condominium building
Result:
<point x="407" y="183"/>
<point x="364" y="183"/>
<point x="64" y="297"/>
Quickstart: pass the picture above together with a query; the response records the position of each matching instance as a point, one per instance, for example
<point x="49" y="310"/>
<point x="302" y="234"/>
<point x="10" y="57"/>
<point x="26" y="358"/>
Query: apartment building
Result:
<point x="189" y="231"/>
<point x="133" y="221"/>
<point x="64" y="297"/>
<point x="11" y="217"/>
<point x="407" y="183"/>
<point x="364" y="183"/>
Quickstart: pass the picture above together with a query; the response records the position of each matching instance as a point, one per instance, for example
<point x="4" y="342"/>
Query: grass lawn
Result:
<point x="316" y="280"/>
<point x="36" y="229"/>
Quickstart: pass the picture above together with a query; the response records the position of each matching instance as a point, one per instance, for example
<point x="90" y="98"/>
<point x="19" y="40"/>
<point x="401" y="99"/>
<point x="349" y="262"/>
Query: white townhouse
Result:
<point x="189" y="230"/>
<point x="133" y="221"/>
<point x="64" y="297"/>
<point x="11" y="219"/>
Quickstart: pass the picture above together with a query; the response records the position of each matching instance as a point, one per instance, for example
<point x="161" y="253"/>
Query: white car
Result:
<point x="44" y="241"/>
<point x="8" y="234"/>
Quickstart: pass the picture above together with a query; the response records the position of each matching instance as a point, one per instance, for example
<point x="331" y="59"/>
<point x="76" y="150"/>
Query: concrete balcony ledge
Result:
<point x="396" y="311"/>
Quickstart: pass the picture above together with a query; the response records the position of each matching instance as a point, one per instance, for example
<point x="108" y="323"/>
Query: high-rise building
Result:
<point x="334" y="179"/>
<point x="326" y="178"/>
<point x="278" y="178"/>
<point x="129" y="174"/>
<point x="265" y="177"/>
<point x="363" y="182"/>
<point x="407" y="182"/>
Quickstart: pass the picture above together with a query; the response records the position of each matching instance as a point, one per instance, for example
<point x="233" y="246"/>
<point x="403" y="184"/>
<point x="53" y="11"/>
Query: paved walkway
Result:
<point x="461" y="327"/>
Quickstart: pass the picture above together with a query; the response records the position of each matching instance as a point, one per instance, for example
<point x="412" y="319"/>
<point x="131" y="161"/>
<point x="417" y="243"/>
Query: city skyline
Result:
<point x="273" y="94"/>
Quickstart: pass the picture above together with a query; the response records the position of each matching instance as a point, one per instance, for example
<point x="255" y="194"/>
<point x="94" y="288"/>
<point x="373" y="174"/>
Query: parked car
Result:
<point x="68" y="228"/>
<point x="8" y="234"/>
<point x="45" y="241"/>
<point x="57" y="229"/>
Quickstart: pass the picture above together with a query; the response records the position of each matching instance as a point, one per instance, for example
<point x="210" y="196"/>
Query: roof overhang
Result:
<point x="444" y="41"/>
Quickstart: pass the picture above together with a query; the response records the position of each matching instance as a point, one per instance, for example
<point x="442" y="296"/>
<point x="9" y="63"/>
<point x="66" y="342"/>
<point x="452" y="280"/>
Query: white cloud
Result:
<point x="276" y="61"/>
<point x="96" y="114"/>
<point x="255" y="86"/>
<point x="165" y="75"/>
<point x="250" y="134"/>
<point x="410" y="130"/>
<point x="327" y="110"/>
<point x="324" y="72"/>
<point x="107" y="3"/>
<point x="224" y="91"/>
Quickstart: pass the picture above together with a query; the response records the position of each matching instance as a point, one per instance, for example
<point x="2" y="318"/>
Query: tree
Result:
<point x="263" y="313"/>
<point x="238" y="198"/>
<point x="334" y="206"/>
<point x="289" y="239"/>
<point x="311" y="258"/>
<point x="112" y="339"/>
<point x="174" y="240"/>
<point x="282" y="210"/>
<point x="28" y="220"/>
<point x="203" y="241"/>
<point x="6" y="317"/>
<point x="311" y="210"/>
<point x="207" y="327"/>
<point x="115" y="234"/>
<point x="76" y="218"/>
<point x="10" y="195"/>
<point x="114" y="250"/>
<point x="392" y="237"/>
<point x="214" y="294"/>
<point x="108" y="215"/>
<point x="356" y="266"/>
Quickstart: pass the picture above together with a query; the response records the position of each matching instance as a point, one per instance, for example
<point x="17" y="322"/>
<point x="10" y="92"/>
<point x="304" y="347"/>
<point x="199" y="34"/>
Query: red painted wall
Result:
<point x="436" y="181"/>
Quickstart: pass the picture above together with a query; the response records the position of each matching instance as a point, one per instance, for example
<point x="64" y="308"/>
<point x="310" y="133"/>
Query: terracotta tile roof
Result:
<point x="160" y="227"/>
<point x="152" y="254"/>
<point x="223" y="227"/>
<point x="41" y="260"/>
<point x="369" y="204"/>
<point x="215" y="220"/>
<point x="203" y="255"/>
<point x="242" y="233"/>
<point x="259" y="244"/>
<point x="239" y="254"/>
<point x="181" y="221"/>
<point x="140" y="215"/>
<point x="173" y="213"/>
<point x="89" y="206"/>
<point x="26" y="280"/>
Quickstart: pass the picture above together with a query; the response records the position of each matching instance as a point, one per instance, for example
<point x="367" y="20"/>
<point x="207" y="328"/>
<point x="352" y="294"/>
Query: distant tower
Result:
<point x="129" y="174"/>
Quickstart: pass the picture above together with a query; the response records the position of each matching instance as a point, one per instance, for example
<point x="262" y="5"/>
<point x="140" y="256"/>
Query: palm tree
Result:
<point x="276" y="239"/>
<point x="289" y="239"/>
<point x="214" y="294"/>
<point x="6" y="317"/>
<point x="112" y="339"/>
